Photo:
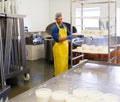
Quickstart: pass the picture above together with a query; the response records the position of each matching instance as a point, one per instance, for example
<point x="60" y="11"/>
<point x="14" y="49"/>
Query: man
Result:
<point x="61" y="36"/>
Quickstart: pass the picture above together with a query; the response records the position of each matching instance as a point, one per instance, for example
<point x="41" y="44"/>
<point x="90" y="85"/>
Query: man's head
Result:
<point x="58" y="18"/>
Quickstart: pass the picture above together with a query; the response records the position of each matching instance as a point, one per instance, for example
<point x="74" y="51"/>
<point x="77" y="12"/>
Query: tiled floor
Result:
<point x="40" y="71"/>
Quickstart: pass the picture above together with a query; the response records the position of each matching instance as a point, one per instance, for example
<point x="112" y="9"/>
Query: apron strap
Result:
<point x="59" y="26"/>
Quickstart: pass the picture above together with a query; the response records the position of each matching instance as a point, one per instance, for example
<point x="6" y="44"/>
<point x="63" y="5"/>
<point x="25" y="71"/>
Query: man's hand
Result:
<point x="75" y="36"/>
<point x="80" y="36"/>
<point x="70" y="37"/>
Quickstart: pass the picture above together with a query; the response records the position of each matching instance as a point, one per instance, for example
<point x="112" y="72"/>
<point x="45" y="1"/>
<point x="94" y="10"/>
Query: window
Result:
<point x="88" y="23"/>
<point x="118" y="21"/>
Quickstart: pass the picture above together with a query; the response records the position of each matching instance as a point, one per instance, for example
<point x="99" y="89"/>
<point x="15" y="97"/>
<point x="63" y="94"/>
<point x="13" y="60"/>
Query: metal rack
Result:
<point x="14" y="47"/>
<point x="76" y="56"/>
<point x="109" y="19"/>
<point x="3" y="88"/>
<point x="12" y="51"/>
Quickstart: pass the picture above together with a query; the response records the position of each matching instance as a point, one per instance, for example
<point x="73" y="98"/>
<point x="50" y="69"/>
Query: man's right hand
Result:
<point x="80" y="36"/>
<point x="70" y="37"/>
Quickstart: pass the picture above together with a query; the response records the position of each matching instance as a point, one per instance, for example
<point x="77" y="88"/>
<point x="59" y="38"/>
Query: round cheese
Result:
<point x="43" y="95"/>
<point x="58" y="96"/>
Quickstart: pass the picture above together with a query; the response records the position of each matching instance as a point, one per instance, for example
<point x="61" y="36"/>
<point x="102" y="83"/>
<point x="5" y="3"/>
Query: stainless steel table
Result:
<point x="91" y="75"/>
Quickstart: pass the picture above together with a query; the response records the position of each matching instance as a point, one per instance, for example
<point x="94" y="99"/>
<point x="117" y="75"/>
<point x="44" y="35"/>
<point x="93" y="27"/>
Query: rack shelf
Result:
<point x="93" y="52"/>
<point x="94" y="1"/>
<point x="12" y="51"/>
<point x="77" y="57"/>
<point x="108" y="20"/>
<point x="94" y="17"/>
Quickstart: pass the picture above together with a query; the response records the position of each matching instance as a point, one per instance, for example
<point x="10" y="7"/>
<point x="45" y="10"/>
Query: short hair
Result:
<point x="58" y="14"/>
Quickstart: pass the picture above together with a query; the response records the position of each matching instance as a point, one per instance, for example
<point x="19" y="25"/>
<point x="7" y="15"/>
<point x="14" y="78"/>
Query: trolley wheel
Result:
<point x="6" y="100"/>
<point x="27" y="77"/>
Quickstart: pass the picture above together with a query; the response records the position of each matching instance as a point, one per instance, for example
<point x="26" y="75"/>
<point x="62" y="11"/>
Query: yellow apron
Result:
<point x="60" y="53"/>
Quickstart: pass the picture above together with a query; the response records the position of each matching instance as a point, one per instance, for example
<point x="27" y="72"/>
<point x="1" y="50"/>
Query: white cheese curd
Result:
<point x="88" y="100"/>
<point x="43" y="95"/>
<point x="95" y="96"/>
<point x="71" y="98"/>
<point x="79" y="49"/>
<point x="111" y="98"/>
<point x="85" y="47"/>
<point x="58" y="96"/>
<point x="92" y="48"/>
<point x="100" y="48"/>
<point x="105" y="49"/>
<point x="80" y="93"/>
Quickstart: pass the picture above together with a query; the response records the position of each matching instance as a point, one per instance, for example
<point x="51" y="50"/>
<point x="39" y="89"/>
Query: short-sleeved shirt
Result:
<point x="55" y="31"/>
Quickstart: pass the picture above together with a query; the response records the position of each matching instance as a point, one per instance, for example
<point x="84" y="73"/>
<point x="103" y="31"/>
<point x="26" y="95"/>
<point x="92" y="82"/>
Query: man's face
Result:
<point x="59" y="20"/>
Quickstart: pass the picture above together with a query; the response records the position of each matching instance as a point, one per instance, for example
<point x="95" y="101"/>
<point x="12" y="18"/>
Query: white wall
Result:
<point x="59" y="6"/>
<point x="37" y="13"/>
<point x="40" y="13"/>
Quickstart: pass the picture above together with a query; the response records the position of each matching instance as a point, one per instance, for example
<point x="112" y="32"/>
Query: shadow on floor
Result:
<point x="40" y="71"/>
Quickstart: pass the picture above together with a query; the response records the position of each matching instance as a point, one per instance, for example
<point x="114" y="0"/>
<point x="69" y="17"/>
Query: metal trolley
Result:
<point x="107" y="22"/>
<point x="14" y="46"/>
<point x="12" y="51"/>
<point x="3" y="88"/>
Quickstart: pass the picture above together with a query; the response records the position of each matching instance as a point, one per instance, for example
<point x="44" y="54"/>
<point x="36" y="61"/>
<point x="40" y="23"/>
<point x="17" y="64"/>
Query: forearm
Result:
<point x="75" y="36"/>
<point x="67" y="38"/>
<point x="62" y="39"/>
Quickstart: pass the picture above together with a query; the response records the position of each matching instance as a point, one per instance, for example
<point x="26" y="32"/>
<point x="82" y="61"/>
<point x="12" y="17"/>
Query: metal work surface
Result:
<point x="93" y="76"/>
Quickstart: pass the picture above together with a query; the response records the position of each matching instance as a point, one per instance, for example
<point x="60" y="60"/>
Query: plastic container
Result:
<point x="95" y="96"/>
<point x="111" y="98"/>
<point x="71" y="98"/>
<point x="59" y="96"/>
<point x="80" y="93"/>
<point x="43" y="95"/>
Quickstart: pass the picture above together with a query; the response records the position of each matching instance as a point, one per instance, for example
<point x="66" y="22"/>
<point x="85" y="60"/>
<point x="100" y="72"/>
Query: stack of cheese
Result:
<point x="94" y="96"/>
<point x="78" y="95"/>
<point x="43" y="95"/>
<point x="71" y="98"/>
<point x="92" y="49"/>
<point x="46" y="95"/>
<point x="59" y="96"/>
<point x="94" y="32"/>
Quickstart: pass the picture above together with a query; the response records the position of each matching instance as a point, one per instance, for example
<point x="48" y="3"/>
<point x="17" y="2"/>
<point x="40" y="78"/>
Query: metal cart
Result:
<point x="3" y="88"/>
<point x="13" y="39"/>
<point x="106" y="21"/>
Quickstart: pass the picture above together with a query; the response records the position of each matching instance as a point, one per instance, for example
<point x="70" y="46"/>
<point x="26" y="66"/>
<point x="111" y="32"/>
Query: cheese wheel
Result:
<point x="43" y="94"/>
<point x="85" y="47"/>
<point x="58" y="96"/>
<point x="80" y="93"/>
<point x="92" y="48"/>
<point x="100" y="48"/>
<point x="95" y="96"/>
<point x="79" y="49"/>
<point x="72" y="98"/>
<point x="111" y="98"/>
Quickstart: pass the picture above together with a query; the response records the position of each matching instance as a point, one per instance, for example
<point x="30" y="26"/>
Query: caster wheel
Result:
<point x="6" y="100"/>
<point x="27" y="77"/>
